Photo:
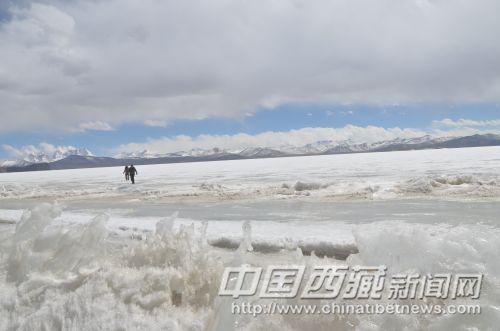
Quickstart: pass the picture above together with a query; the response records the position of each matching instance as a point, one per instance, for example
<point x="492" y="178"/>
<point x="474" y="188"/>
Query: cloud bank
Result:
<point x="447" y="122"/>
<point x="64" y="63"/>
<point x="45" y="152"/>
<point x="296" y="138"/>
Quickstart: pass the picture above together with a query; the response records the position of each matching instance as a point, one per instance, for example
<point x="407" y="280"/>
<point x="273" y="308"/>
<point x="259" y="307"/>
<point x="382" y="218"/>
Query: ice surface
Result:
<point x="64" y="270"/>
<point x="468" y="173"/>
<point x="115" y="256"/>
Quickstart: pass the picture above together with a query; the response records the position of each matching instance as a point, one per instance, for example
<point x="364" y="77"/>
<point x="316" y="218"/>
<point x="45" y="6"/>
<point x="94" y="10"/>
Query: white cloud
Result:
<point x="304" y="136"/>
<point x="156" y="123"/>
<point x="299" y="137"/>
<point x="68" y="62"/>
<point x="94" y="126"/>
<point x="466" y="123"/>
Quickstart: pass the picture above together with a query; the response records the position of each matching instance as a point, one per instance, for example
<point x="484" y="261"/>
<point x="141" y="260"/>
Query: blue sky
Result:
<point x="282" y="118"/>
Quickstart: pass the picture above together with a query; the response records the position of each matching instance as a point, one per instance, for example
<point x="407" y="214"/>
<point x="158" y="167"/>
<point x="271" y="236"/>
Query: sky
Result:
<point x="124" y="75"/>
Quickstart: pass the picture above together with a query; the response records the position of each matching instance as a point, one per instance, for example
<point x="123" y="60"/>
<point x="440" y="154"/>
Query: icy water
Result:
<point x="81" y="249"/>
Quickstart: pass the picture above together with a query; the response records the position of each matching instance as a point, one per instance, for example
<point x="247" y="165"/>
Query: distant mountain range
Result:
<point x="35" y="156"/>
<point x="82" y="158"/>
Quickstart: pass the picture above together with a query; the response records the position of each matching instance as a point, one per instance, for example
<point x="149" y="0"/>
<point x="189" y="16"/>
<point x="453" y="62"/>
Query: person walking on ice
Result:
<point x="127" y="173"/>
<point x="132" y="171"/>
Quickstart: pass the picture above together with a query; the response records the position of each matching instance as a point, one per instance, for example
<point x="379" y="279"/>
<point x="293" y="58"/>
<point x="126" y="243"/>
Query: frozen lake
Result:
<point x="472" y="173"/>
<point x="98" y="242"/>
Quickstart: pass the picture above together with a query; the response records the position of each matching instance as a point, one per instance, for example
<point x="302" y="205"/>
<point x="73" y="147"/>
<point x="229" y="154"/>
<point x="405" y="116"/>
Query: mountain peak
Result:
<point x="35" y="155"/>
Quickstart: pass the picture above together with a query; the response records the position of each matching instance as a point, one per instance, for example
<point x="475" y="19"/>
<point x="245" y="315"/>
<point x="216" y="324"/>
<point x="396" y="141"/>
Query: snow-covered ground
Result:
<point x="83" y="249"/>
<point x="469" y="173"/>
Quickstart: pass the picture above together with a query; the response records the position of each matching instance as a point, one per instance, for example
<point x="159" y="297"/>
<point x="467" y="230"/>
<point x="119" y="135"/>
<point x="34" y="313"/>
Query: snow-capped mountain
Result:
<point x="146" y="154"/>
<point x="72" y="158"/>
<point x="319" y="147"/>
<point x="199" y="152"/>
<point x="261" y="152"/>
<point x="387" y="145"/>
<point x="411" y="141"/>
<point x="34" y="155"/>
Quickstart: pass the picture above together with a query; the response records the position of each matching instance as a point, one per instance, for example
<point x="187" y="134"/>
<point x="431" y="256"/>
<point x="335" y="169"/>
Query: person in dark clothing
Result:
<point x="132" y="171"/>
<point x="127" y="173"/>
